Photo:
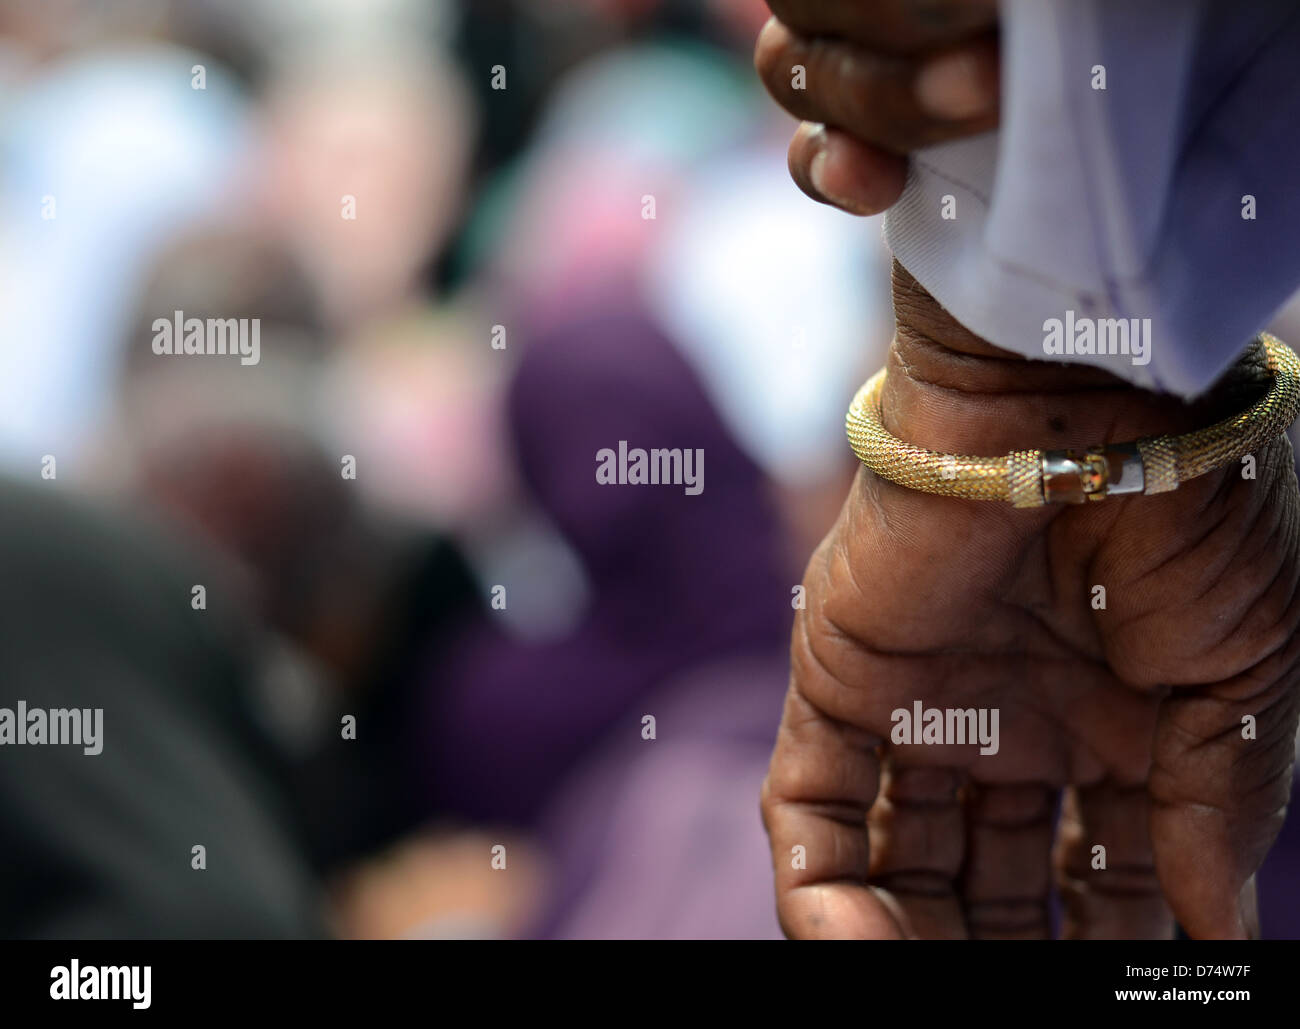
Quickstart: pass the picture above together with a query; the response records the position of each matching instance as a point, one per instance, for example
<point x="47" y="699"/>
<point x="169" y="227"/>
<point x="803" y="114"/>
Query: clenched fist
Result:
<point x="1159" y="722"/>
<point x="874" y="80"/>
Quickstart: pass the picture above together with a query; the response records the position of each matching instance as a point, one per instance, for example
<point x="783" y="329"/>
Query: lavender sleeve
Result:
<point x="1138" y="208"/>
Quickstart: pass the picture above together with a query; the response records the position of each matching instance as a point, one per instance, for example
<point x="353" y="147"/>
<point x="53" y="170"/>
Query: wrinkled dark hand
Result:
<point x="1135" y="717"/>
<point x="872" y="81"/>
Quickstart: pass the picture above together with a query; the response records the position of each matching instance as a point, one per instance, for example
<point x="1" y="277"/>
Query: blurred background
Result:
<point x="437" y="682"/>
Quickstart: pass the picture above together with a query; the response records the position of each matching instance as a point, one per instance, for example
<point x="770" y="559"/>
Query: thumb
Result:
<point x="1220" y="781"/>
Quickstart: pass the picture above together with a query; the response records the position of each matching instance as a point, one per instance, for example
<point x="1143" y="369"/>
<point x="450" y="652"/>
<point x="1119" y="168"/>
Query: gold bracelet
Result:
<point x="1031" y="478"/>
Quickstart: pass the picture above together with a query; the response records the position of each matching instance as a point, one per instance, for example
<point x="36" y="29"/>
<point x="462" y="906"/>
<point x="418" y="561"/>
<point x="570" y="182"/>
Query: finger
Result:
<point x="1105" y="866"/>
<point x="891" y="26"/>
<point x="896" y="103"/>
<point x="917" y="844"/>
<point x="823" y="778"/>
<point x="833" y="168"/>
<point x="1219" y="788"/>
<point x="1006" y="882"/>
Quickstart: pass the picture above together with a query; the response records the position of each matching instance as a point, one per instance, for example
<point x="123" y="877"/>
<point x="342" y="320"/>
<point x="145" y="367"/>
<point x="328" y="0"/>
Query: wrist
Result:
<point x="949" y="391"/>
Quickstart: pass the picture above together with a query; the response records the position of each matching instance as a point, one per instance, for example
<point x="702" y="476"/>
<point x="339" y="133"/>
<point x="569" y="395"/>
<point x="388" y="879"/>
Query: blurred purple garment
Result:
<point x="675" y="580"/>
<point x="1278" y="884"/>
<point x="662" y="839"/>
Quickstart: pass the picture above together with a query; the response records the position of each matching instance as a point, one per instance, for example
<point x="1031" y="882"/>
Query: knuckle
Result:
<point x="772" y="52"/>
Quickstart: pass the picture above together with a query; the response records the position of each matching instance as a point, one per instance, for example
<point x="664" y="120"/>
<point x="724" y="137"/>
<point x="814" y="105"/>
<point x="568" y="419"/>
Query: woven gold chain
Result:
<point x="1030" y="478"/>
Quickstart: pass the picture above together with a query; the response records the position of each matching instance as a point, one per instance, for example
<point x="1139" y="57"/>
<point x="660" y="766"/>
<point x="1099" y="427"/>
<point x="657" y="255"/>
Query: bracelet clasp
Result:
<point x="1072" y="477"/>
